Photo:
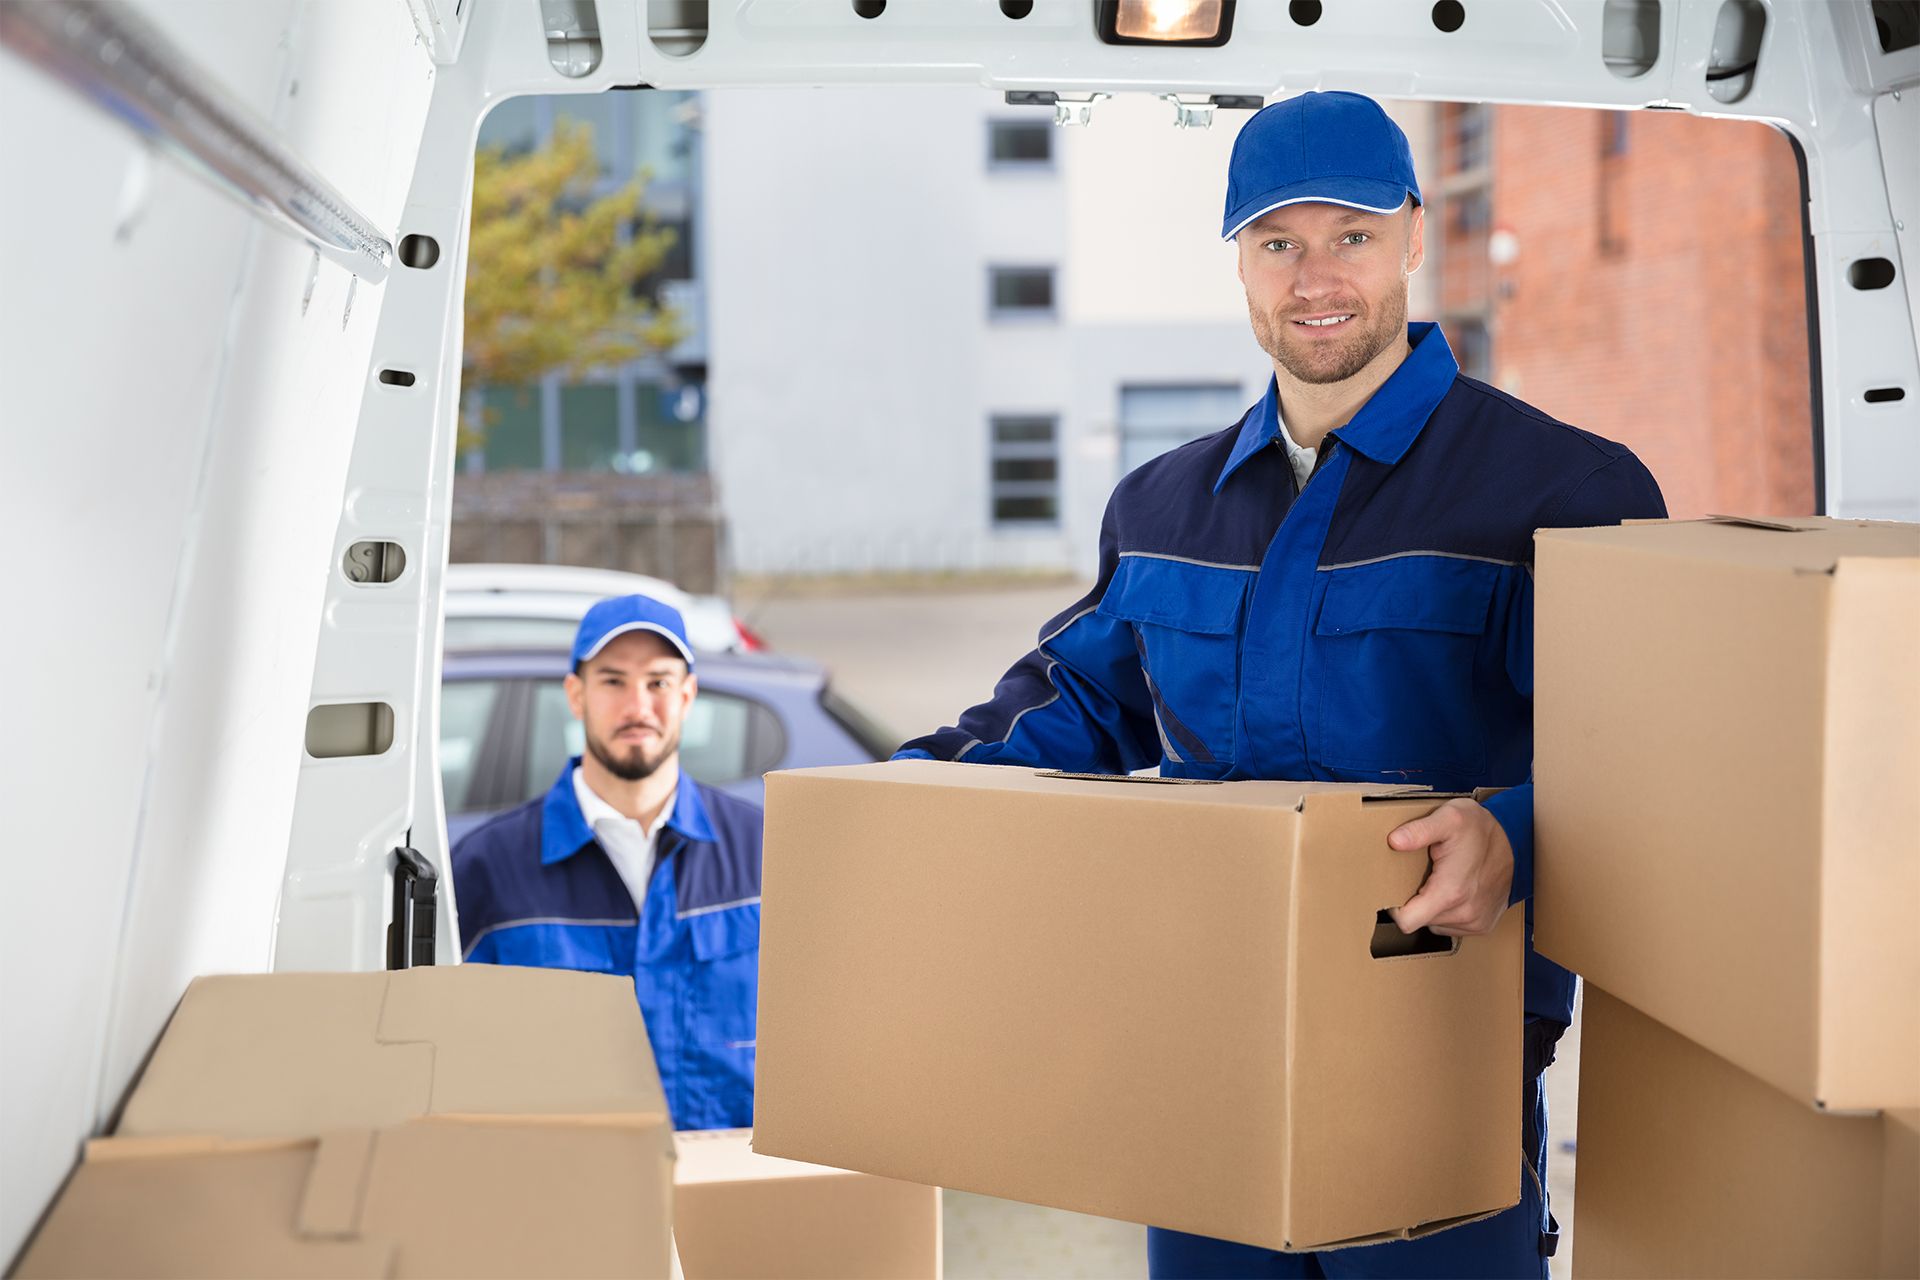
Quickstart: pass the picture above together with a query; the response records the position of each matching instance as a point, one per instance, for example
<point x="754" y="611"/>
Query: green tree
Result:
<point x="555" y="277"/>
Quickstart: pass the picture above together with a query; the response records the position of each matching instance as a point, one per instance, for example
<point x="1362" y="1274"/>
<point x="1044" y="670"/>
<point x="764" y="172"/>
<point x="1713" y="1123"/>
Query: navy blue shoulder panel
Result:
<point x="1485" y="472"/>
<point x="1166" y="506"/>
<point x="726" y="870"/>
<point x="498" y="878"/>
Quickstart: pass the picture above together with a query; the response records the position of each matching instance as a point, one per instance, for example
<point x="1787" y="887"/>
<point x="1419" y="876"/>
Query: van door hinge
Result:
<point x="416" y="902"/>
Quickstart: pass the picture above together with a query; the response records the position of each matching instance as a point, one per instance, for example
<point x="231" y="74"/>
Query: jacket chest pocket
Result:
<point x="1186" y="621"/>
<point x="1397" y="648"/>
<point x="725" y="977"/>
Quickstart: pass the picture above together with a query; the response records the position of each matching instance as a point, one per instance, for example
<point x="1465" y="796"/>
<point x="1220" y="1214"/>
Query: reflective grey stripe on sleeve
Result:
<point x="1046" y="675"/>
<point x="530" y="920"/>
<point x="718" y="906"/>
<point x="1443" y="555"/>
<point x="1204" y="564"/>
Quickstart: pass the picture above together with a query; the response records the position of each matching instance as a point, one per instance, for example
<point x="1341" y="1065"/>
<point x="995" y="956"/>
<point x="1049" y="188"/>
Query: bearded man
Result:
<point x="627" y="866"/>
<point x="1336" y="588"/>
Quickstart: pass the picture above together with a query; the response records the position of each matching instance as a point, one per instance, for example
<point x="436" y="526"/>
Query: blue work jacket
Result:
<point x="1374" y="626"/>
<point x="535" y="888"/>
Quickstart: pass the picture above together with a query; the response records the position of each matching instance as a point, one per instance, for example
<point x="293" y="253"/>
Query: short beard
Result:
<point x="636" y="764"/>
<point x="1336" y="363"/>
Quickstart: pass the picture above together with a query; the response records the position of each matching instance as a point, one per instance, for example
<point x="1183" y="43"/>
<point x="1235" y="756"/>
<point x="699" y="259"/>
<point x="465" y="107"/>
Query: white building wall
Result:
<point x="855" y="364"/>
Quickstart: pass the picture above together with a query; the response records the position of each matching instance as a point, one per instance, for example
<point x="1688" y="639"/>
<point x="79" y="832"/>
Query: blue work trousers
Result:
<point x="1514" y="1243"/>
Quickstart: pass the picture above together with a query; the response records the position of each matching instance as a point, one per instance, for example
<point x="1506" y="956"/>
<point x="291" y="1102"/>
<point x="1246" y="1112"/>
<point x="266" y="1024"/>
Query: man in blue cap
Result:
<point x="628" y="866"/>
<point x="1338" y="588"/>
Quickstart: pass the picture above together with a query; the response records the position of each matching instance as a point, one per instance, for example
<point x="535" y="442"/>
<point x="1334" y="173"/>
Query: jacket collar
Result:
<point x="564" y="830"/>
<point x="1386" y="425"/>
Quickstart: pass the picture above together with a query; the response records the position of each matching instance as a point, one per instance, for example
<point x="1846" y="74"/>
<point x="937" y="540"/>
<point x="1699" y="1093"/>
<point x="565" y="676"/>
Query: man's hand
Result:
<point x="1466" y="891"/>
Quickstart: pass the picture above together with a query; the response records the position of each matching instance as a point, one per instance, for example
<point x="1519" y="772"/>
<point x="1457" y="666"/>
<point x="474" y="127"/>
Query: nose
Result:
<point x="1317" y="276"/>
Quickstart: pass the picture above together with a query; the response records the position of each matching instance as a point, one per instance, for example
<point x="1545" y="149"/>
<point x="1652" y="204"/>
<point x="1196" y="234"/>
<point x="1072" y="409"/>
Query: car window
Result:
<point x="877" y="739"/>
<point x="511" y="633"/>
<point x="726" y="737"/>
<point x="466" y="706"/>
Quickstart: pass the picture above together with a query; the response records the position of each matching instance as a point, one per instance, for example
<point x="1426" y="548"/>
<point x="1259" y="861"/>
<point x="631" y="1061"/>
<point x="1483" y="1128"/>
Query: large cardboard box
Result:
<point x="1151" y="1001"/>
<point x="742" y="1216"/>
<point x="460" y="1121"/>
<point x="1690" y="1167"/>
<point x="1727" y="760"/>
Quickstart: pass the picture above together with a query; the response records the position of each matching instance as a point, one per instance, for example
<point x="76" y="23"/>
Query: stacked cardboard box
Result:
<point x="1727" y="761"/>
<point x="1172" y="1003"/>
<point x="464" y="1121"/>
<point x="743" y="1216"/>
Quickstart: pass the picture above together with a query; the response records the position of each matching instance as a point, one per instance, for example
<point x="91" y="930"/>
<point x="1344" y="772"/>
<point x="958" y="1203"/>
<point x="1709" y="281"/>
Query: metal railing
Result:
<point x="107" y="52"/>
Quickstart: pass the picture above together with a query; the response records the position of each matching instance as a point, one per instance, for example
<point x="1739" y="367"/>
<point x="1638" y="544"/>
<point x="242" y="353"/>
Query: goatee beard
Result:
<point x="635" y="766"/>
<point x="1338" y="363"/>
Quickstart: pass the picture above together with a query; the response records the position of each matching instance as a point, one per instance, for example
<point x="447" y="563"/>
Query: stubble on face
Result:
<point x="630" y="762"/>
<point x="1316" y="361"/>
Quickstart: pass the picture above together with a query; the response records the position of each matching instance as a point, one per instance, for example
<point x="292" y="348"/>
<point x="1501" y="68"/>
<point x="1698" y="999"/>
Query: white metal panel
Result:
<point x="173" y="411"/>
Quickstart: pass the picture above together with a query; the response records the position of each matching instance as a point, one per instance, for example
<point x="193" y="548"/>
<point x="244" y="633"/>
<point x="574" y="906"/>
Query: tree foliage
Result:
<point x="555" y="276"/>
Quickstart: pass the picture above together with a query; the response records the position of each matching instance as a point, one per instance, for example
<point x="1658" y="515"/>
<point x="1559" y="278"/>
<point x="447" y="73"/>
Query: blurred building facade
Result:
<point x="928" y="332"/>
<point x="1650" y="287"/>
<point x="943" y="327"/>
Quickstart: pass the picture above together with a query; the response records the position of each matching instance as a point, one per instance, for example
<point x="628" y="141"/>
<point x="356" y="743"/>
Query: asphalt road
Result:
<point x="913" y="659"/>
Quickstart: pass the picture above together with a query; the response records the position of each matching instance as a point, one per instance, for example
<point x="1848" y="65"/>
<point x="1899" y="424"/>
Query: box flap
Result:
<point x="481" y="1200"/>
<point x="279" y="1055"/>
<point x="1806" y="543"/>
<point x="727" y="1155"/>
<point x="336" y="1184"/>
<point x="222" y="1211"/>
<point x="523" y="1041"/>
<point x="1013" y="778"/>
<point x="428" y="1198"/>
<point x="743" y="1216"/>
<point x="292" y="1055"/>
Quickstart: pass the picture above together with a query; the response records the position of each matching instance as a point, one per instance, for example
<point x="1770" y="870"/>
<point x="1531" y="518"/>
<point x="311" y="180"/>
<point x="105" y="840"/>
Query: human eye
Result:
<point x="1277" y="245"/>
<point x="1357" y="237"/>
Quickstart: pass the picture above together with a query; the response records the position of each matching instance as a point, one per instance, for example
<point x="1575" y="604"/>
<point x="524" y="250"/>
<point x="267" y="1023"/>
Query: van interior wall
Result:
<point x="176" y="453"/>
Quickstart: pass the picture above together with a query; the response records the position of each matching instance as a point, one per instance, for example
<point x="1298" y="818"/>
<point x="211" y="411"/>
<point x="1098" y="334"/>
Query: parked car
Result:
<point x="535" y="605"/>
<point x="505" y="727"/>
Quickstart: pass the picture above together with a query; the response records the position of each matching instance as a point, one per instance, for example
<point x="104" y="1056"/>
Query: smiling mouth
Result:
<point x="1325" y="322"/>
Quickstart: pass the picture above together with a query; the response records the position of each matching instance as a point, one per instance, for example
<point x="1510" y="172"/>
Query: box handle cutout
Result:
<point x="1391" y="944"/>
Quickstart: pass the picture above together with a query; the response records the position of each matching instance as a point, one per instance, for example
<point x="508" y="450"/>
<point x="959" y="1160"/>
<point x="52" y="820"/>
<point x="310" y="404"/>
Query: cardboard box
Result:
<point x="1144" y="1000"/>
<point x="460" y="1121"/>
<point x="1690" y="1167"/>
<point x="742" y="1216"/>
<point x="1727" y="760"/>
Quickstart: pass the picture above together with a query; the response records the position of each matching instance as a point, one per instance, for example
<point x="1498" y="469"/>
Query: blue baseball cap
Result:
<point x="1332" y="148"/>
<point x="621" y="614"/>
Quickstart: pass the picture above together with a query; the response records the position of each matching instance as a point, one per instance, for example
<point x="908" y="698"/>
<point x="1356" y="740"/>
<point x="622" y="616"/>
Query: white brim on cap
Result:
<point x="1278" y="204"/>
<point x="679" y="645"/>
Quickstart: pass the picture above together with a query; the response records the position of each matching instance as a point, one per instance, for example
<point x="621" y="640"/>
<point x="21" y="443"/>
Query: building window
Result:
<point x="512" y="438"/>
<point x="1020" y="291"/>
<point x="1154" y="419"/>
<point x="1020" y="144"/>
<point x="1472" y="345"/>
<point x="1469" y="213"/>
<point x="1025" y="476"/>
<point x="1470" y="127"/>
<point x="589" y="426"/>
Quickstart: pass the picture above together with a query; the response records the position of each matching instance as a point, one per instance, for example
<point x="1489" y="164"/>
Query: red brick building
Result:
<point x="1639" y="274"/>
